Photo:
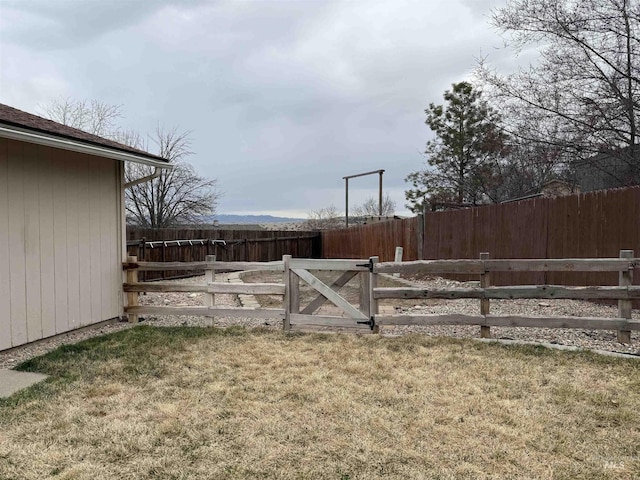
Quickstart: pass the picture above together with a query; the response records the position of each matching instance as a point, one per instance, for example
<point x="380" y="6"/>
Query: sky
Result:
<point x="282" y="98"/>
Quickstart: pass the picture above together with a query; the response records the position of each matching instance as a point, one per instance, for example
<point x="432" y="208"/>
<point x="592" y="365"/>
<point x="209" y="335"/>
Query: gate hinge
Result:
<point x="371" y="322"/>
<point x="368" y="265"/>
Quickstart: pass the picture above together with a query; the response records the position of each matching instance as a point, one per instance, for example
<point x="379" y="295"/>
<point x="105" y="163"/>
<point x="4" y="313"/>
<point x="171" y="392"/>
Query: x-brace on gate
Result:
<point x="358" y="319"/>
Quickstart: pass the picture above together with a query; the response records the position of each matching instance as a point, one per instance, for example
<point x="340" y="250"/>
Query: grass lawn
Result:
<point x="179" y="403"/>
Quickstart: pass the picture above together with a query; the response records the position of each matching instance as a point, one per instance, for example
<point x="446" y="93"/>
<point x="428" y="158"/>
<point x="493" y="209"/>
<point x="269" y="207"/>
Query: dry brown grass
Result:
<point x="205" y="403"/>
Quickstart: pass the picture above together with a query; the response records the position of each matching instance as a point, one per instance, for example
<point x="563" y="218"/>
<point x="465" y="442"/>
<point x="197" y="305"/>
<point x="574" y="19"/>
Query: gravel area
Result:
<point x="588" y="339"/>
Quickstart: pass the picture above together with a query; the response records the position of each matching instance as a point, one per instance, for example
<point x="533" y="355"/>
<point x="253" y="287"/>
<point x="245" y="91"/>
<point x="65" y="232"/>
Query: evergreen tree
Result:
<point x="462" y="158"/>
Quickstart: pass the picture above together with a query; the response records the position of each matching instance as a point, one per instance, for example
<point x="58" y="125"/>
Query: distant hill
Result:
<point x="251" y="219"/>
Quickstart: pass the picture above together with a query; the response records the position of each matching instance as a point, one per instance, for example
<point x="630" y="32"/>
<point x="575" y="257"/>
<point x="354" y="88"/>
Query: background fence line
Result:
<point x="595" y="224"/>
<point x="238" y="246"/>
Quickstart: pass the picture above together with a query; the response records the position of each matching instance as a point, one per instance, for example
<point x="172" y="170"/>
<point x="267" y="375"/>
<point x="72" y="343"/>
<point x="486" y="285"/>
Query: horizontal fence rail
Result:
<point x="514" y="292"/>
<point x="517" y="265"/>
<point x="132" y="287"/>
<point x="217" y="266"/>
<point x="625" y="292"/>
<point x="367" y="316"/>
<point x="224" y="312"/>
<point x="233" y="288"/>
<point x="588" y="323"/>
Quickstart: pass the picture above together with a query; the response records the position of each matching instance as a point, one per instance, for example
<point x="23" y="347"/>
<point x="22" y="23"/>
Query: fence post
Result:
<point x="373" y="302"/>
<point x="164" y="257"/>
<point x="142" y="276"/>
<point x="365" y="293"/>
<point x="286" y="324"/>
<point x="210" y="277"/>
<point x="398" y="259"/>
<point x="420" y="234"/>
<point x="132" y="297"/>
<point x="625" y="306"/>
<point x="294" y="295"/>
<point x="485" y="281"/>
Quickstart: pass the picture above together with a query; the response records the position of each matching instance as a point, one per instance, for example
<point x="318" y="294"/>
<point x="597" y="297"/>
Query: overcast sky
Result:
<point x="284" y="98"/>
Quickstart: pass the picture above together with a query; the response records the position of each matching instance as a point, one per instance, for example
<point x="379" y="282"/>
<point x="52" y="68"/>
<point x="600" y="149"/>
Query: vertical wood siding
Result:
<point x="5" y="284"/>
<point x="60" y="241"/>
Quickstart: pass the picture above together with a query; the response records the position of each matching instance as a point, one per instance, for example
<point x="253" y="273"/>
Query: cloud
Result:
<point x="284" y="98"/>
<point x="51" y="25"/>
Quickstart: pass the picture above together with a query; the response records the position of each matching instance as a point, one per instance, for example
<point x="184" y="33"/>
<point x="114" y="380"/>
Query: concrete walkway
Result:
<point x="249" y="301"/>
<point x="12" y="381"/>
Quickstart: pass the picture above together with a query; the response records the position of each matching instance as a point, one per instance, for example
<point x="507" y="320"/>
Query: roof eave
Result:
<point x="77" y="146"/>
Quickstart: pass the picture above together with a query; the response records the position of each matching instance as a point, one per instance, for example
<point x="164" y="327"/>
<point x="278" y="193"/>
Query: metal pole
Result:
<point x="346" y="201"/>
<point x="346" y="184"/>
<point x="380" y="195"/>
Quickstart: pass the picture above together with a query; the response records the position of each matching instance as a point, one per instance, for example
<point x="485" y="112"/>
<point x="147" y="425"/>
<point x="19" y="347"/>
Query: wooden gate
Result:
<point x="351" y="318"/>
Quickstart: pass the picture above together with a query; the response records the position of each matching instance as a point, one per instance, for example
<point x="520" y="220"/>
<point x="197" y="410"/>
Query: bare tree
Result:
<point x="524" y="170"/>
<point x="371" y="207"/>
<point x="327" y="218"/>
<point x="176" y="196"/>
<point x="583" y="96"/>
<point x="90" y="116"/>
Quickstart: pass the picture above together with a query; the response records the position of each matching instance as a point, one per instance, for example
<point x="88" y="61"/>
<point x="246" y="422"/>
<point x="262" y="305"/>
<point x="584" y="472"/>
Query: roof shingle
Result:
<point x="27" y="121"/>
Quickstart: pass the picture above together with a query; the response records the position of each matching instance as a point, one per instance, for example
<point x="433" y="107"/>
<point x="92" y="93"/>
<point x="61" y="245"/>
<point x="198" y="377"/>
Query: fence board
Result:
<point x="241" y="312"/>
<point x="241" y="245"/>
<point x="327" y="321"/>
<point x="431" y="267"/>
<point x="235" y="288"/>
<point x="192" y="266"/>
<point x="513" y="292"/>
<point x="377" y="239"/>
<point x="588" y="323"/>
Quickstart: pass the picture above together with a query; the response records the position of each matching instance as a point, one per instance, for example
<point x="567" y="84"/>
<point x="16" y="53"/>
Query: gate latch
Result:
<point x="371" y="322"/>
<point x="368" y="265"/>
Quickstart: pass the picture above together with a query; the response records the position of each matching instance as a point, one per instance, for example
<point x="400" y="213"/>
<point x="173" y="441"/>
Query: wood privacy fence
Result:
<point x="376" y="239"/>
<point x="367" y="316"/>
<point x="193" y="245"/>
<point x="590" y="225"/>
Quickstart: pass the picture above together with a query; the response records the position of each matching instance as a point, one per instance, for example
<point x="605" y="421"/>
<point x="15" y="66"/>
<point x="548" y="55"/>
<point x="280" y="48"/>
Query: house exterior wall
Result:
<point x="60" y="241"/>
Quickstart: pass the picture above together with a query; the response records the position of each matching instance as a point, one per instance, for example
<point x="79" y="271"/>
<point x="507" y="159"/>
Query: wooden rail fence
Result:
<point x="367" y="317"/>
<point x="132" y="288"/>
